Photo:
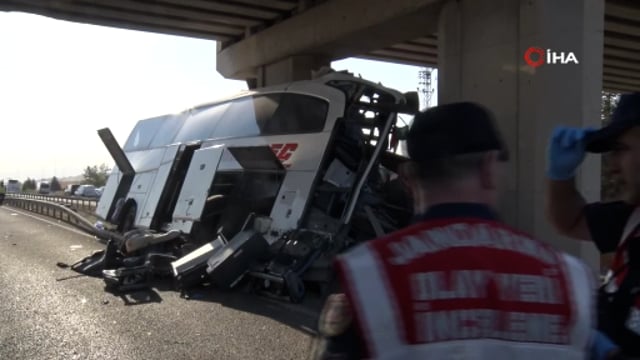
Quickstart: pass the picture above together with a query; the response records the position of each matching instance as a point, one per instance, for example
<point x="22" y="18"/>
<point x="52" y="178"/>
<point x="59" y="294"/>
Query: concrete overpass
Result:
<point x="477" y="45"/>
<point x="403" y="32"/>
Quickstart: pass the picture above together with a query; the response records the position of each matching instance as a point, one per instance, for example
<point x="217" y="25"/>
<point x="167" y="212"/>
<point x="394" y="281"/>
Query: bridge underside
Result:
<point x="343" y="28"/>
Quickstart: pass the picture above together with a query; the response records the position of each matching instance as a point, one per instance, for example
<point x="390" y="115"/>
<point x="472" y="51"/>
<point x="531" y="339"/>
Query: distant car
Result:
<point x="44" y="188"/>
<point x="100" y="190"/>
<point x="87" y="191"/>
<point x="71" y="189"/>
<point x="13" y="186"/>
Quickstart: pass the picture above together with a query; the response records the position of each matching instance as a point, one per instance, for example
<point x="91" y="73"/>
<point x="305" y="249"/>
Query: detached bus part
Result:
<point x="268" y="185"/>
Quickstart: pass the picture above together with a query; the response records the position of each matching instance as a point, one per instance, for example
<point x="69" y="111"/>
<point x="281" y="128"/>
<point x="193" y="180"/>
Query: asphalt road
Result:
<point x="47" y="312"/>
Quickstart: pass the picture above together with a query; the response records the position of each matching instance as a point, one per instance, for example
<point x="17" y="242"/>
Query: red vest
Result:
<point x="472" y="288"/>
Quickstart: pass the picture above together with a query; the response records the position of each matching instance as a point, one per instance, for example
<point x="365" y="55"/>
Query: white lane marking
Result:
<point x="49" y="222"/>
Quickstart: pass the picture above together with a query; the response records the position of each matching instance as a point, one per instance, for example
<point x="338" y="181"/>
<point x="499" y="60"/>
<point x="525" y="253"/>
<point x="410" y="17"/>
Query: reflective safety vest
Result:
<point x="468" y="289"/>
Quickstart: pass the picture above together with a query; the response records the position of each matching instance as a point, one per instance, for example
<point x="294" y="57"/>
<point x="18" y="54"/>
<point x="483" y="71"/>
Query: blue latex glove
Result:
<point x="566" y="151"/>
<point x="602" y="347"/>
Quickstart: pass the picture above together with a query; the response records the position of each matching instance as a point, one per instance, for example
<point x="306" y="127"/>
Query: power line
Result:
<point x="425" y="86"/>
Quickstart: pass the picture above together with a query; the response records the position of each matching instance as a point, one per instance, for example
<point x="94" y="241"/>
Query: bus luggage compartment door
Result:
<point x="196" y="188"/>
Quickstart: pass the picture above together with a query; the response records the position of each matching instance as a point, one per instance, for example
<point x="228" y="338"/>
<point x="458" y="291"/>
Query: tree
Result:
<point x="29" y="184"/>
<point x="55" y="184"/>
<point x="96" y="175"/>
<point x="611" y="186"/>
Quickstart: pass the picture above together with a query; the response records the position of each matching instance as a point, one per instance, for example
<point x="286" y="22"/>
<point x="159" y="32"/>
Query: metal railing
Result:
<point x="80" y="203"/>
<point x="60" y="210"/>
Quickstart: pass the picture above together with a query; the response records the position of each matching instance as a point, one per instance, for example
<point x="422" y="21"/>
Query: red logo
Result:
<point x="535" y="56"/>
<point x="531" y="53"/>
<point x="284" y="151"/>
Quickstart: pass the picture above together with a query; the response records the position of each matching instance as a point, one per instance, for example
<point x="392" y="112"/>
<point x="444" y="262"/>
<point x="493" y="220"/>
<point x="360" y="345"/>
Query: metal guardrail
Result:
<point x="80" y="203"/>
<point x="62" y="211"/>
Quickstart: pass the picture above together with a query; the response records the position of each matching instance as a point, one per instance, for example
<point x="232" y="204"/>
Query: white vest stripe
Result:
<point x="374" y="302"/>
<point x="582" y="296"/>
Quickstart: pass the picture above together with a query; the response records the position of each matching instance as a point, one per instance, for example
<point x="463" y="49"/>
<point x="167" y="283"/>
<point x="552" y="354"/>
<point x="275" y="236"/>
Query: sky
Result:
<point x="61" y="81"/>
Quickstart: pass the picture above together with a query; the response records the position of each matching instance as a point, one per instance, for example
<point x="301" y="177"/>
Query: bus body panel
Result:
<point x="196" y="188"/>
<point x="108" y="194"/>
<point x="291" y="203"/>
<point x="156" y="189"/>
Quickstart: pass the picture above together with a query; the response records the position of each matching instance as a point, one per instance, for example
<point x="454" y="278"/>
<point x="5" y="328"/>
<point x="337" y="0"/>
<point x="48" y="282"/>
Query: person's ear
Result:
<point x="489" y="170"/>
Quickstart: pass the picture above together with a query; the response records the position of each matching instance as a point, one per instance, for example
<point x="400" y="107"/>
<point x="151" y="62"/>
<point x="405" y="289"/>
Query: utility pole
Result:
<point x="425" y="87"/>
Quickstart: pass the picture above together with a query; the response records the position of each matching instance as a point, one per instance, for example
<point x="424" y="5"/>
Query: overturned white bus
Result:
<point x="268" y="185"/>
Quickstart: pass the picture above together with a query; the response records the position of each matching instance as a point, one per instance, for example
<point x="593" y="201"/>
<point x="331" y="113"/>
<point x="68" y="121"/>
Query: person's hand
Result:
<point x="565" y="152"/>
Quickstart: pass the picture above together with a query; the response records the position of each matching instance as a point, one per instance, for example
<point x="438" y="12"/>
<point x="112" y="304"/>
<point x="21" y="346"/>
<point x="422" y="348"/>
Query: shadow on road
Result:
<point x="302" y="316"/>
<point x="139" y="297"/>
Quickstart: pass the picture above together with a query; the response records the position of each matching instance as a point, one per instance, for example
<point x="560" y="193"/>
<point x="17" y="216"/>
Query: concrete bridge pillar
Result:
<point x="292" y="68"/>
<point x="482" y="46"/>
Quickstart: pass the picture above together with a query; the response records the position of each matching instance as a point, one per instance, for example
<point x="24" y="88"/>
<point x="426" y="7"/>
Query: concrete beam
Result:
<point x="335" y="29"/>
<point x="293" y="68"/>
<point x="115" y="22"/>
<point x="92" y="14"/>
<point x="415" y="58"/>
<point x="399" y="60"/>
<point x="416" y="48"/>
<point x="622" y="27"/>
<point x="615" y="87"/>
<point x="621" y="41"/>
<point x="630" y="55"/>
<point x="273" y="4"/>
<point x="228" y="7"/>
<point x="172" y="11"/>
<point x="621" y="63"/>
<point x="621" y="11"/>
<point x="609" y="70"/>
<point x="621" y="80"/>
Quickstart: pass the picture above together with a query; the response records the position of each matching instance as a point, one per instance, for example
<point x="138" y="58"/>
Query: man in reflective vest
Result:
<point x="614" y="227"/>
<point x="459" y="283"/>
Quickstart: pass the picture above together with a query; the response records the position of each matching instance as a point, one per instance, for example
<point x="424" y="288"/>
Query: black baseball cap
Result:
<point x="624" y="117"/>
<point x="454" y="129"/>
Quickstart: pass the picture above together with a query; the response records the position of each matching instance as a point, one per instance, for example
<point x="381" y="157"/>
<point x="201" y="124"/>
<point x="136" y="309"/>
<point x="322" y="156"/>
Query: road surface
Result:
<point x="48" y="312"/>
